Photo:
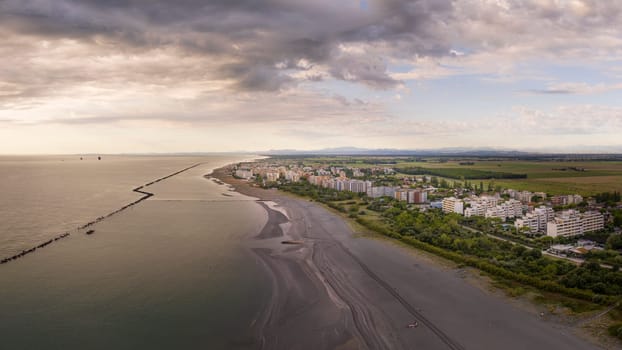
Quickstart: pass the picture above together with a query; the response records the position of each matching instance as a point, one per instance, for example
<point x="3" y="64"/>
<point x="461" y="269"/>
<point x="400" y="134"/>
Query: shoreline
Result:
<point x="300" y="292"/>
<point x="340" y="299"/>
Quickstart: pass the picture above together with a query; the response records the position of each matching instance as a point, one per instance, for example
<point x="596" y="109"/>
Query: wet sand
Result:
<point x="339" y="291"/>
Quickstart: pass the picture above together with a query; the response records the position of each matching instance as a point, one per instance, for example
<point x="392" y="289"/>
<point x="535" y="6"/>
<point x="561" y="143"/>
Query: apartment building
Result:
<point x="358" y="186"/>
<point x="411" y="196"/>
<point x="244" y="173"/>
<point x="536" y="220"/>
<point x="572" y="223"/>
<point x="401" y="195"/>
<point x="566" y="200"/>
<point x="342" y="184"/>
<point x="478" y="206"/>
<point x="453" y="205"/>
<point x="272" y="176"/>
<point x="417" y="196"/>
<point x="530" y="221"/>
<point x="592" y="221"/>
<point x="381" y="191"/>
<point x="292" y="176"/>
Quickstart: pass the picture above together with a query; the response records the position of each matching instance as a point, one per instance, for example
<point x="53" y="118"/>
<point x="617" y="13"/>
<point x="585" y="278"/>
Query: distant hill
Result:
<point x="398" y="152"/>
<point x="447" y="152"/>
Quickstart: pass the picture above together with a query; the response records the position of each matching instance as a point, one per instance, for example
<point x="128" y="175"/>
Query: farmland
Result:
<point x="565" y="176"/>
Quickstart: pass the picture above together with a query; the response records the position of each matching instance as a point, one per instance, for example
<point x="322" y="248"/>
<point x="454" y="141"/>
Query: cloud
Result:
<point x="253" y="37"/>
<point x="578" y="88"/>
<point x="258" y="46"/>
<point x="177" y="109"/>
<point x="568" y="120"/>
<point x="281" y="63"/>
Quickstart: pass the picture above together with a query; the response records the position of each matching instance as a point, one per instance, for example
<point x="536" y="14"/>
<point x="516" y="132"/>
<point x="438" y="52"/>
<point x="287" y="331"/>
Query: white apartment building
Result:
<point x="381" y="191"/>
<point x="537" y="220"/>
<point x="244" y="173"/>
<point x="411" y="196"/>
<point x="272" y="176"/>
<point x="509" y="209"/>
<point x="358" y="186"/>
<point x="572" y="223"/>
<point x="479" y="206"/>
<point x="529" y="220"/>
<point x="524" y="196"/>
<point x="292" y="176"/>
<point x="592" y="221"/>
<point x="567" y="224"/>
<point x="495" y="212"/>
<point x="513" y="208"/>
<point x="544" y="215"/>
<point x="566" y="200"/>
<point x="318" y="180"/>
<point x="401" y="195"/>
<point x="453" y="205"/>
<point x="341" y="184"/>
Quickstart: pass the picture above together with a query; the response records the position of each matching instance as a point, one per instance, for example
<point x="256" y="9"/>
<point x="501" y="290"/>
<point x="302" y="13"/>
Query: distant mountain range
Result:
<point x="449" y="151"/>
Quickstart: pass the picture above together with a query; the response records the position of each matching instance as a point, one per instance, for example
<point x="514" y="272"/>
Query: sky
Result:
<point x="136" y="76"/>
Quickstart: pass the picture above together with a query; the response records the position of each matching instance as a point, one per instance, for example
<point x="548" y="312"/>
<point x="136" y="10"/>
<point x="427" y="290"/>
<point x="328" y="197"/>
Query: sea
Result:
<point x="171" y="272"/>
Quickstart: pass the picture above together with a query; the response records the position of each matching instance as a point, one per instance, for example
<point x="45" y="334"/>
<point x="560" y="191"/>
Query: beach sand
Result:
<point x="333" y="289"/>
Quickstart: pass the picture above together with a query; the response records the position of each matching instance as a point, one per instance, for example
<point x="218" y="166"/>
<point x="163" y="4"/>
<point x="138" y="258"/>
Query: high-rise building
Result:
<point x="417" y="196"/>
<point x="572" y="223"/>
<point x="381" y="191"/>
<point x="244" y="173"/>
<point x="453" y="205"/>
<point x="536" y="220"/>
<point x="401" y="194"/>
<point x="566" y="199"/>
<point x="592" y="221"/>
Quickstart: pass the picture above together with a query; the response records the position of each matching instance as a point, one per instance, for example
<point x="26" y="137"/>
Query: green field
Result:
<point x="546" y="175"/>
<point x="542" y="176"/>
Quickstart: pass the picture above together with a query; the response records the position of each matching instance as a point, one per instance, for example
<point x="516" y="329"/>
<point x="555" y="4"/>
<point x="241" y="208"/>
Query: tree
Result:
<point x="614" y="242"/>
<point x="434" y="181"/>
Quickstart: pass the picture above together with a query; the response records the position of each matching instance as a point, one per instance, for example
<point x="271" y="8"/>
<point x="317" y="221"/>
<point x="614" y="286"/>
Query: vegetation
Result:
<point x="614" y="242"/>
<point x="461" y="173"/>
<point x="446" y="235"/>
<point x="616" y="330"/>
<point x="607" y="197"/>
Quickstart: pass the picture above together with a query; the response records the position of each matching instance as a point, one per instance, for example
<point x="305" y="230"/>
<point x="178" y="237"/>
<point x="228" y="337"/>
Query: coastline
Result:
<point x="300" y="299"/>
<point x="328" y="269"/>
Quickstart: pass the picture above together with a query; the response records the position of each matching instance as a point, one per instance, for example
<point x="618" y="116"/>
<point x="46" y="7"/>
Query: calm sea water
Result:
<point x="170" y="272"/>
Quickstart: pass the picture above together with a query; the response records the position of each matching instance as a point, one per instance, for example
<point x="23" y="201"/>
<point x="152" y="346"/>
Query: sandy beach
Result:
<point x="335" y="290"/>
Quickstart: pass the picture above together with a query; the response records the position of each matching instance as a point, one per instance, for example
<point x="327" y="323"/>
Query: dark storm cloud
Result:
<point x="268" y="45"/>
<point x="262" y="40"/>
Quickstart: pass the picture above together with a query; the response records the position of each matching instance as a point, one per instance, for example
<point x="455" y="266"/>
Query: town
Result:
<point x="523" y="216"/>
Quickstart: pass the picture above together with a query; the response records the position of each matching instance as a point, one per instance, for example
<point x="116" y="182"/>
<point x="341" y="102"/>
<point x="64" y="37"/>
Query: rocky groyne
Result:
<point x="60" y="236"/>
